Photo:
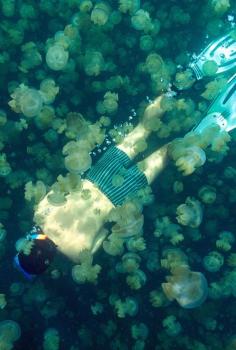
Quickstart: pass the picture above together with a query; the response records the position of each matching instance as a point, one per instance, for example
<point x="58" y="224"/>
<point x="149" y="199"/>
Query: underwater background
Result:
<point x="82" y="69"/>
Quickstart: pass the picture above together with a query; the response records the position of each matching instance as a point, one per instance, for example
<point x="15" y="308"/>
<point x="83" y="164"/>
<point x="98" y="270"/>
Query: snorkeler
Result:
<point x="78" y="224"/>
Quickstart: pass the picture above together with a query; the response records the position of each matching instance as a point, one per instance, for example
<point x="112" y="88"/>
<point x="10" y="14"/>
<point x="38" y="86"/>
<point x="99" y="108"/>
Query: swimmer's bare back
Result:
<point x="77" y="224"/>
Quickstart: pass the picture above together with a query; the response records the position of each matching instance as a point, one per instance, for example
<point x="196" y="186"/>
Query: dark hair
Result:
<point x="40" y="257"/>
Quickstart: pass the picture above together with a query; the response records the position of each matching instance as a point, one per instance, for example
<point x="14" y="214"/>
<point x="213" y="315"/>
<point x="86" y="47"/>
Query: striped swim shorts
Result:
<point x="112" y="165"/>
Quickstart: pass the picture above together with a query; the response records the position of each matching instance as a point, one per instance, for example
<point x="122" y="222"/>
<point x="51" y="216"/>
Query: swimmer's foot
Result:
<point x="218" y="57"/>
<point x="222" y="111"/>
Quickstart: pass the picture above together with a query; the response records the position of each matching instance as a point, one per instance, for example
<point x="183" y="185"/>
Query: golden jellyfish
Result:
<point x="129" y="229"/>
<point x="128" y="220"/>
<point x="187" y="287"/>
<point x="231" y="344"/>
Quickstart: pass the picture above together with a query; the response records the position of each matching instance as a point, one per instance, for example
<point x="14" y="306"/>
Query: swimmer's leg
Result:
<point x="128" y="145"/>
<point x="154" y="164"/>
<point x="141" y="131"/>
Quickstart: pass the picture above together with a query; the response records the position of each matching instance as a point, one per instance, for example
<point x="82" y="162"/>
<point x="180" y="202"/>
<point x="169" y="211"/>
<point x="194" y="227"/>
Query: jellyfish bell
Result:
<point x="129" y="229"/>
<point x="231" y="344"/>
<point x="187" y="287"/>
